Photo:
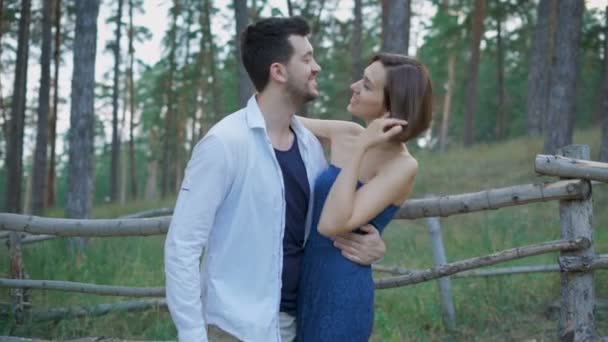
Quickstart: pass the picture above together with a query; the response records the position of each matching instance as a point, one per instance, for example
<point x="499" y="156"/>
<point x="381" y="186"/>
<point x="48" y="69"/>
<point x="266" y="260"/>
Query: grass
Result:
<point x="505" y="308"/>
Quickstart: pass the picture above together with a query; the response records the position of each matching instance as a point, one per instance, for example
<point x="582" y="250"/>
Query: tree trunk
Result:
<point x="50" y="195"/>
<point x="289" y="8"/>
<point x="204" y="68"/>
<point x="82" y="116"/>
<point x="471" y="99"/>
<point x="14" y="162"/>
<point x="183" y="104"/>
<point x="218" y="108"/>
<point x="169" y="141"/>
<point x="564" y="72"/>
<point x="152" y="171"/>
<point x="132" y="173"/>
<point x="245" y="89"/>
<point x="14" y="155"/>
<point x="604" y="91"/>
<point x="40" y="159"/>
<point x="114" y="166"/>
<point x="395" y="26"/>
<point x="122" y="183"/>
<point x="356" y="51"/>
<point x="500" y="117"/>
<point x="4" y="123"/>
<point x="539" y="77"/>
<point x="447" y="104"/>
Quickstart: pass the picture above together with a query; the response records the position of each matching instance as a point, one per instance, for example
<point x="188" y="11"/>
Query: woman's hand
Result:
<point x="381" y="130"/>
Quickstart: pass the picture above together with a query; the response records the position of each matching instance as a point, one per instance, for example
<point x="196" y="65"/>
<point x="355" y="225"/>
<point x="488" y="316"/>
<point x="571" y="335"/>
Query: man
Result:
<point x="246" y="199"/>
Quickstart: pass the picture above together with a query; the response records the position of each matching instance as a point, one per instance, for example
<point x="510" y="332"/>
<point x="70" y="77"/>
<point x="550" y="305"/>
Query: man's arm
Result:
<point x="362" y="249"/>
<point x="206" y="181"/>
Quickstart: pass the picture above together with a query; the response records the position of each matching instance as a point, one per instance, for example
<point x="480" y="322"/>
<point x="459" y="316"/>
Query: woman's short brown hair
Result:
<point x="408" y="92"/>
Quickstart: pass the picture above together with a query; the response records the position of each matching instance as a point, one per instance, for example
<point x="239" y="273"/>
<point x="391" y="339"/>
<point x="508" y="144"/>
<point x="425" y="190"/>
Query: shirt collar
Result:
<point x="255" y="119"/>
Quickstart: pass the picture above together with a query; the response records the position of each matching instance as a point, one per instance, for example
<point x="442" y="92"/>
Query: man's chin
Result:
<point x="311" y="96"/>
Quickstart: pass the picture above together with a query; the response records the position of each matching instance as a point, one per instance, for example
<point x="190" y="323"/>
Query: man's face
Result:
<point x="302" y="70"/>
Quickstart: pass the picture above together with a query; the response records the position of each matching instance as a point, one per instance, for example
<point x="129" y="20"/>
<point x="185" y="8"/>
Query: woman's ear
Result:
<point x="278" y="73"/>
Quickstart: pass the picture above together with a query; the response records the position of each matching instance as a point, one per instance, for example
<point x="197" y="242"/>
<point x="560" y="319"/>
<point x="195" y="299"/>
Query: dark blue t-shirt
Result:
<point x="297" y="195"/>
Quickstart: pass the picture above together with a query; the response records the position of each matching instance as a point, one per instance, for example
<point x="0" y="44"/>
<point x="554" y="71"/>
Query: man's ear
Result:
<point x="278" y="72"/>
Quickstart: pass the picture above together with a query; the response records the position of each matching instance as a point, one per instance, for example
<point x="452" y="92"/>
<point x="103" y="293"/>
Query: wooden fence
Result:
<point x="576" y="263"/>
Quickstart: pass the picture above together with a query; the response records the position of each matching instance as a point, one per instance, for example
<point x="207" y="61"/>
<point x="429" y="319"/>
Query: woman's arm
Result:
<point x="326" y="130"/>
<point x="347" y="208"/>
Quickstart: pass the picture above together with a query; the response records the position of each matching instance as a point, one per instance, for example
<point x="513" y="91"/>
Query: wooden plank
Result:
<point x="104" y="290"/>
<point x="577" y="317"/>
<point x="494" y="199"/>
<point x="472" y="263"/>
<point x="571" y="168"/>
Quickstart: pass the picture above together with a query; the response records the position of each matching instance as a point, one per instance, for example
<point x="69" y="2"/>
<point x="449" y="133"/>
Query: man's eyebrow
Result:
<point x="308" y="53"/>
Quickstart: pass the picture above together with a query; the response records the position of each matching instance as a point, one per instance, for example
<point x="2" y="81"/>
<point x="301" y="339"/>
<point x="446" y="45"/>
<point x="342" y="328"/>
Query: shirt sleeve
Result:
<point x="205" y="185"/>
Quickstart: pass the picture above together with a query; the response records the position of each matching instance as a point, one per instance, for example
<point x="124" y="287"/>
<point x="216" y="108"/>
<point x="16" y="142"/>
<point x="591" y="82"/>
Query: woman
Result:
<point x="371" y="174"/>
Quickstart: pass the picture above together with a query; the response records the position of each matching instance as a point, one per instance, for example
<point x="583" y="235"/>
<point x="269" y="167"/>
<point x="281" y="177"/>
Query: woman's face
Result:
<point x="367" y="101"/>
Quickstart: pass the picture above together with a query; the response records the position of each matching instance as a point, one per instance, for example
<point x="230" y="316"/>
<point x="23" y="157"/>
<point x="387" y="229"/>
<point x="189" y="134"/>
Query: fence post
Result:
<point x="577" y="322"/>
<point x="439" y="258"/>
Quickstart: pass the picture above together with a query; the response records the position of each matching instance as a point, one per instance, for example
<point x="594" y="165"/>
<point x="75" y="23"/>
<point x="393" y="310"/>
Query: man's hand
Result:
<point x="362" y="249"/>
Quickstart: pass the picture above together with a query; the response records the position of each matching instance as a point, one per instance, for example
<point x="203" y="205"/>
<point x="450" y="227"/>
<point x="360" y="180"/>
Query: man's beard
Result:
<point x="300" y="95"/>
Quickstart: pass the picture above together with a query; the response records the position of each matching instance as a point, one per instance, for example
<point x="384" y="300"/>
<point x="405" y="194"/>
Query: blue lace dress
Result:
<point x="335" y="295"/>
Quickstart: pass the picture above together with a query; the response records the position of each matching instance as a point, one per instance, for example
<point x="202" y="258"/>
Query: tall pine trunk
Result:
<point x="82" y="116"/>
<point x="245" y="89"/>
<point x="538" y="76"/>
<point x="471" y="94"/>
<point x="396" y="26"/>
<point x="115" y="163"/>
<point x="14" y="155"/>
<point x="447" y="104"/>
<point x="218" y="107"/>
<point x="132" y="171"/>
<point x="4" y="126"/>
<point x="42" y="136"/>
<point x="357" y="46"/>
<point x="169" y="142"/>
<point x="564" y="73"/>
<point x="604" y="91"/>
<point x="500" y="116"/>
<point x="50" y="195"/>
<point x="183" y="103"/>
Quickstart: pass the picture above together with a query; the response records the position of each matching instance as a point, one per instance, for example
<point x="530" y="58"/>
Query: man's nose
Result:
<point x="316" y="68"/>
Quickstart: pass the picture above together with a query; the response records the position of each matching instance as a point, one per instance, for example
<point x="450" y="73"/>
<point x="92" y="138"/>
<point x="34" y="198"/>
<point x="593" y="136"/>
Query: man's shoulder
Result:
<point x="231" y="129"/>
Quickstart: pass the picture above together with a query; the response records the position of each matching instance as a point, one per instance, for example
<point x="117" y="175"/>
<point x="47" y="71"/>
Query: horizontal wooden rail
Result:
<point x="28" y="238"/>
<point x="601" y="262"/>
<point x="416" y="208"/>
<point x="397" y="270"/>
<point x="149" y="213"/>
<point x="494" y="198"/>
<point x="69" y="286"/>
<point x="571" y="168"/>
<point x="76" y="227"/>
<point x="477" y="262"/>
<point x="53" y="314"/>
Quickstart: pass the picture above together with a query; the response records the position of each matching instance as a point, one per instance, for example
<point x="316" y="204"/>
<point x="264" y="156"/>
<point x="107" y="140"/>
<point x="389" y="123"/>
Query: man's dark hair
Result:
<point x="266" y="42"/>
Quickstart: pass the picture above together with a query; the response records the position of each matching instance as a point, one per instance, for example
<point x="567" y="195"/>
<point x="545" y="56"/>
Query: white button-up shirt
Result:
<point x="232" y="203"/>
